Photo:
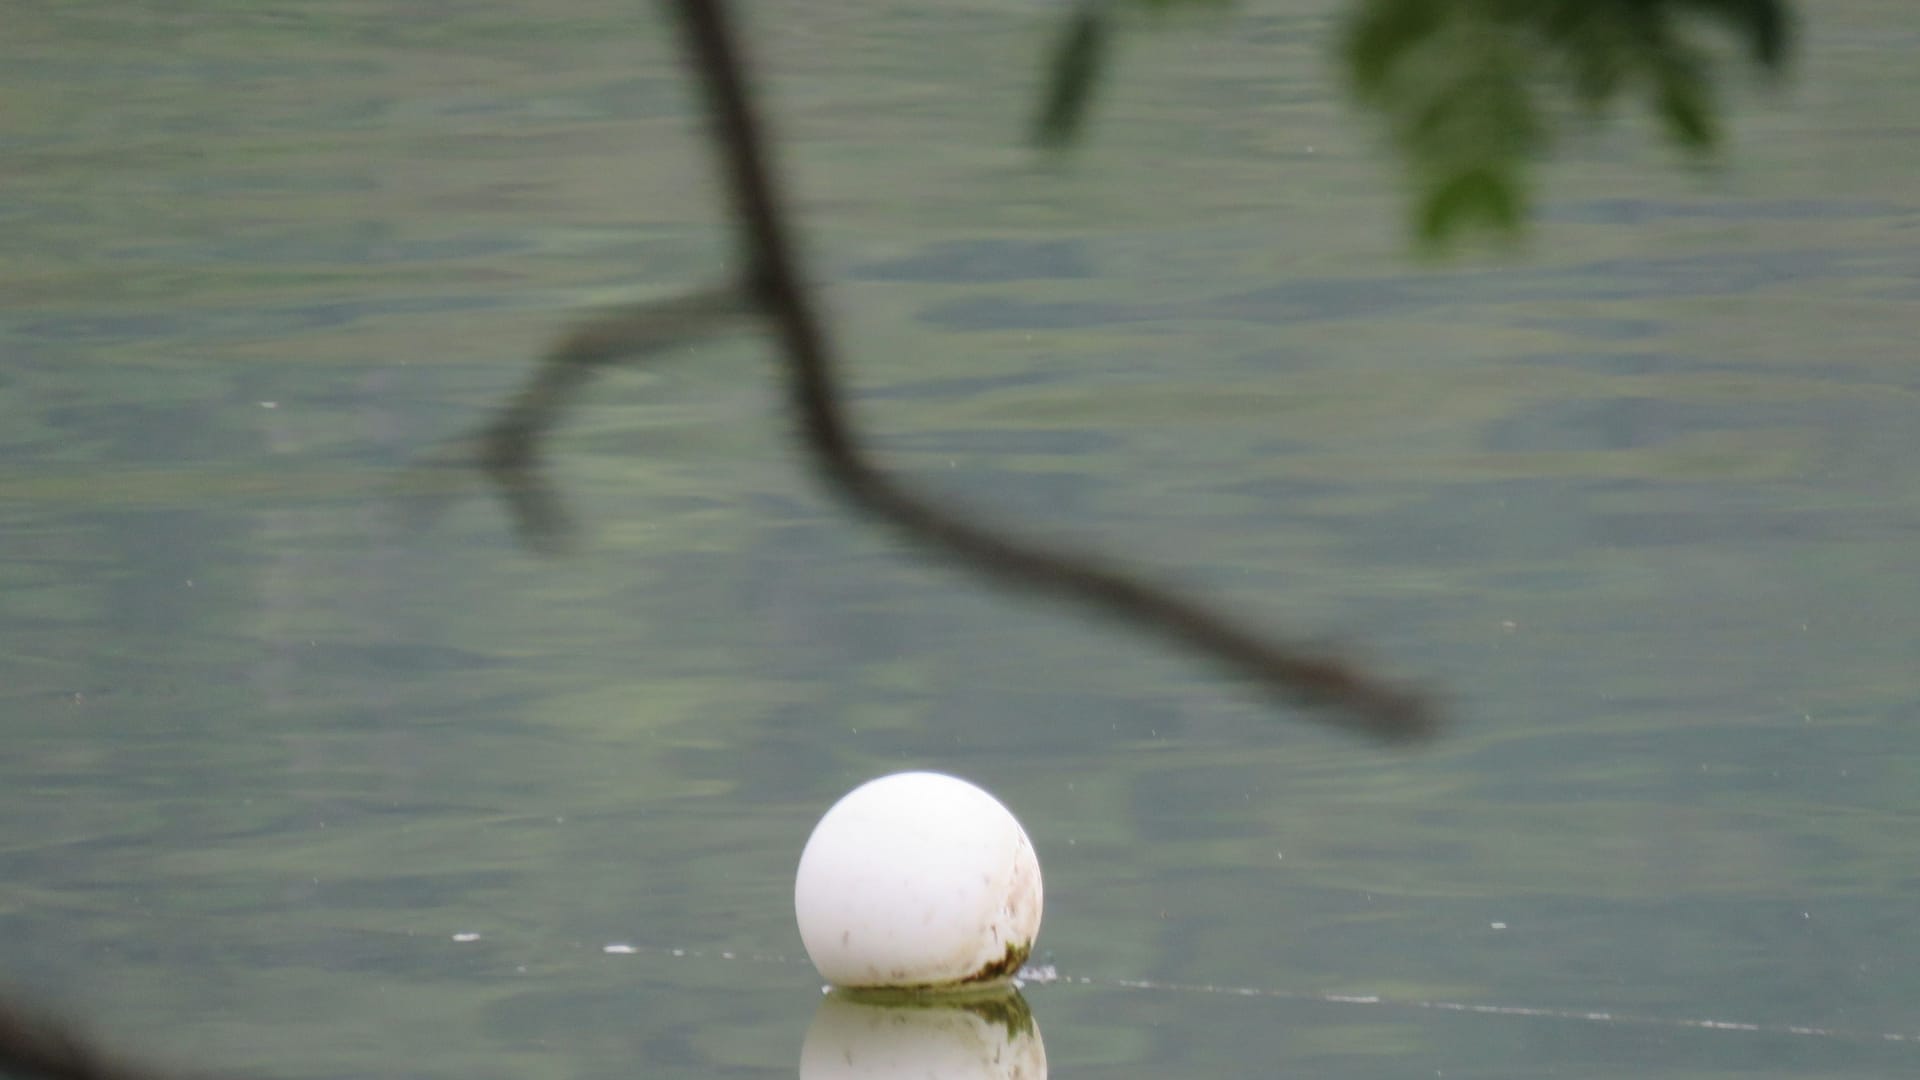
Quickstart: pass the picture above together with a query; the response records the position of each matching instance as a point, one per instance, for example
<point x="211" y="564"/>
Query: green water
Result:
<point x="1640" y="500"/>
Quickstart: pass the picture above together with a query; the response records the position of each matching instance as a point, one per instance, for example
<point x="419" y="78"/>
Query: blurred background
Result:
<point x="1639" y="498"/>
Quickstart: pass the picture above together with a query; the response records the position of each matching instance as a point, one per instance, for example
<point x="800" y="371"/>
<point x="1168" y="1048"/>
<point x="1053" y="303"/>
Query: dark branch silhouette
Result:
<point x="507" y="450"/>
<point x="773" y="285"/>
<point x="35" y="1045"/>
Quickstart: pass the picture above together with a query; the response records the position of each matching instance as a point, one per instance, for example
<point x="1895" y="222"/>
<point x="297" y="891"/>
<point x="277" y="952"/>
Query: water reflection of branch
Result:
<point x="774" y="288"/>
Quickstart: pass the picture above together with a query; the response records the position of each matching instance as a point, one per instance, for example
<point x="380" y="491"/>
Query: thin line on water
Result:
<point x="1048" y="975"/>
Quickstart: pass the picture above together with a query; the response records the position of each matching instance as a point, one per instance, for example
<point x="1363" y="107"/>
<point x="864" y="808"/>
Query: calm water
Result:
<point x="1642" y="499"/>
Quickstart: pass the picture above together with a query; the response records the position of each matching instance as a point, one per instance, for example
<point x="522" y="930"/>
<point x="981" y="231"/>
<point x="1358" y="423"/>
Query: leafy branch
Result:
<point x="1460" y="83"/>
<point x="1470" y="90"/>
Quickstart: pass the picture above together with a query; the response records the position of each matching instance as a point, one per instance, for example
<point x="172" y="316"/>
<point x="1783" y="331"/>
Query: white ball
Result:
<point x="918" y="880"/>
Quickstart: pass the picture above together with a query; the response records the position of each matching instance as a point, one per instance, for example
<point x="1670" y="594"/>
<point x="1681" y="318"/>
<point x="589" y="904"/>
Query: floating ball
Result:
<point x="918" y="881"/>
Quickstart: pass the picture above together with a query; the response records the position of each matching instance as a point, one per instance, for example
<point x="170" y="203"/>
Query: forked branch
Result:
<point x="773" y="286"/>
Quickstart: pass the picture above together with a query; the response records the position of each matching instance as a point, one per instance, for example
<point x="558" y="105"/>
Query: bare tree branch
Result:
<point x="507" y="450"/>
<point x="1353" y="698"/>
<point x="772" y="286"/>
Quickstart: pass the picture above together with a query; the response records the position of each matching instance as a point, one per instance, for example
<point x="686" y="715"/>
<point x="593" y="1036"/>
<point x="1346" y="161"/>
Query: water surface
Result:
<point x="1639" y="499"/>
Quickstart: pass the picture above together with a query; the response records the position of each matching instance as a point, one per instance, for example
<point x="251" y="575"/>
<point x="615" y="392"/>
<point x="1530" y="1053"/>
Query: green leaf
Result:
<point x="1593" y="43"/>
<point x="1767" y="26"/>
<point x="1078" y="61"/>
<point x="1168" y="5"/>
<point x="1380" y="36"/>
<point x="1683" y="99"/>
<point x="1485" y="196"/>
